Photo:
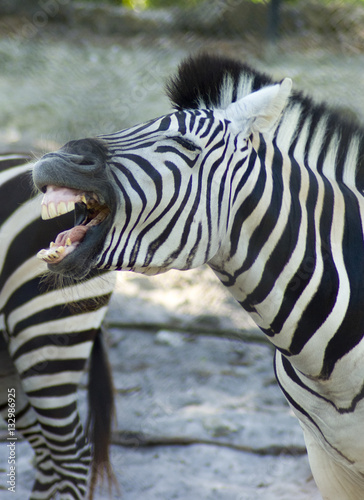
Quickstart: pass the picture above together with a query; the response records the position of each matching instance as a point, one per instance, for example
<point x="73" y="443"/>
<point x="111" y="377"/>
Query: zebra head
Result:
<point x="155" y="196"/>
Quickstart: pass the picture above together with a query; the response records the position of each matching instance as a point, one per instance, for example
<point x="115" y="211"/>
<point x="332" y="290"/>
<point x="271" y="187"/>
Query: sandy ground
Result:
<point x="201" y="416"/>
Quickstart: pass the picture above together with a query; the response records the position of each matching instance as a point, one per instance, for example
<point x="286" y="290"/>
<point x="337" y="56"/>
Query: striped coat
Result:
<point x="49" y="333"/>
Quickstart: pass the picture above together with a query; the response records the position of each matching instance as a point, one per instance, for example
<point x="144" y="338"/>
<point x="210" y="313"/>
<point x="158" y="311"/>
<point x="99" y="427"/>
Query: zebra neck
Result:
<point x="293" y="257"/>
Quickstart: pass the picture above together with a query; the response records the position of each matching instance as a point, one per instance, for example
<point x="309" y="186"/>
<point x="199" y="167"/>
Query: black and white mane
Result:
<point x="213" y="82"/>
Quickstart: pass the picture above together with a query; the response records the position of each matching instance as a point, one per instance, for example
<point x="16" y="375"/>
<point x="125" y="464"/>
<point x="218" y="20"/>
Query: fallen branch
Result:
<point x="253" y="335"/>
<point x="132" y="439"/>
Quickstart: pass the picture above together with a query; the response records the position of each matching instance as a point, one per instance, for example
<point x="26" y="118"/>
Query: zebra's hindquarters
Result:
<point x="50" y="342"/>
<point x="49" y="333"/>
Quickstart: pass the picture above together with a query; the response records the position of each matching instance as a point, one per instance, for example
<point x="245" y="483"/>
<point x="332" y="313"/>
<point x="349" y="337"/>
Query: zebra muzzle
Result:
<point x="89" y="212"/>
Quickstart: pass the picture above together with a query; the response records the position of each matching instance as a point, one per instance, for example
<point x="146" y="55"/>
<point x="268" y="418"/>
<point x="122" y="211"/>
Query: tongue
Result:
<point x="65" y="243"/>
<point x="74" y="235"/>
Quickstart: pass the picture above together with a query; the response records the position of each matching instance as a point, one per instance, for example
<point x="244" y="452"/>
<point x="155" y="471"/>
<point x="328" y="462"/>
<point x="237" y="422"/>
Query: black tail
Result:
<point x="100" y="413"/>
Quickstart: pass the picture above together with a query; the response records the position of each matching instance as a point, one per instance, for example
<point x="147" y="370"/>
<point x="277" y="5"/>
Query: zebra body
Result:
<point x="48" y="335"/>
<point x="266" y="187"/>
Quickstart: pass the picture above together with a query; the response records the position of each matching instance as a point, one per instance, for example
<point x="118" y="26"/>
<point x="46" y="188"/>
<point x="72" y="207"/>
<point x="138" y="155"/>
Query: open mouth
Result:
<point x="89" y="210"/>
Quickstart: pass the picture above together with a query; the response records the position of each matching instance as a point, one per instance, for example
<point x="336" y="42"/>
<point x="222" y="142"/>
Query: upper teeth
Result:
<point x="60" y="200"/>
<point x="52" y="210"/>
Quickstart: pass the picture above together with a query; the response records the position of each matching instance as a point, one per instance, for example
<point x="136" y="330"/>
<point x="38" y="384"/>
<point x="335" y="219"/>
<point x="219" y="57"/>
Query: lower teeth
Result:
<point x="51" y="254"/>
<point x="54" y="251"/>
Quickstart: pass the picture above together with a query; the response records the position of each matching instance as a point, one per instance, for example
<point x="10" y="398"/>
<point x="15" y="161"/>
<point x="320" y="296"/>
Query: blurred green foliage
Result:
<point x="147" y="4"/>
<point x="150" y="4"/>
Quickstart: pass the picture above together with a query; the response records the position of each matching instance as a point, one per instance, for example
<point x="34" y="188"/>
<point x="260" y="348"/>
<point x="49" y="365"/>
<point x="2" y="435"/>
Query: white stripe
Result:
<point x="37" y="382"/>
<point x="244" y="87"/>
<point x="53" y="402"/>
<point x="58" y="422"/>
<point x="288" y="127"/>
<point x="12" y="172"/>
<point x="54" y="352"/>
<point x="351" y="164"/>
<point x="96" y="287"/>
<point x="63" y="326"/>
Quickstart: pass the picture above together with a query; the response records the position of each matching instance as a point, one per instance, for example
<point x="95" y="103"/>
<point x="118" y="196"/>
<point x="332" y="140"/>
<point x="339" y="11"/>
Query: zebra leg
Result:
<point x="334" y="480"/>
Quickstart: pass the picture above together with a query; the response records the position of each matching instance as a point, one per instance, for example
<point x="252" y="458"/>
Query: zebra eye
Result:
<point x="187" y="144"/>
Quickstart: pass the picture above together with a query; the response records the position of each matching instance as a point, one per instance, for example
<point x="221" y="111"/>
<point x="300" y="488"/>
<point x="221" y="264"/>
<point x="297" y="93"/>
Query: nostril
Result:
<point x="86" y="162"/>
<point x="83" y="162"/>
<point x="87" y="154"/>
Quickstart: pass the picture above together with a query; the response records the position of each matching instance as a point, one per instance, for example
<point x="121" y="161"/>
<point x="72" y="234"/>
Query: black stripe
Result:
<point x="210" y="123"/>
<point x="191" y="255"/>
<point x="165" y="123"/>
<point x="14" y="193"/>
<point x="172" y="149"/>
<point x="292" y="375"/>
<point x="131" y="180"/>
<point x="200" y="124"/>
<point x="350" y="332"/>
<point x="241" y="163"/>
<point x="285" y="248"/>
<point x="65" y="429"/>
<point x="53" y="391"/>
<point x="152" y="173"/>
<point x="307" y="266"/>
<point x="325" y="295"/>
<point x="181" y="119"/>
<point x="16" y="161"/>
<point x="250" y="202"/>
<point x="177" y="185"/>
<point x="265" y="228"/>
<point x="128" y="210"/>
<point x="158" y="242"/>
<point x="54" y="366"/>
<point x="55" y="340"/>
<point x="223" y="188"/>
<point x="219" y="128"/>
<point x="209" y="183"/>
<point x="59" y="412"/>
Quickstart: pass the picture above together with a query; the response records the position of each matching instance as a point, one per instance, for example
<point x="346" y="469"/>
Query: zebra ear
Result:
<point x="259" y="111"/>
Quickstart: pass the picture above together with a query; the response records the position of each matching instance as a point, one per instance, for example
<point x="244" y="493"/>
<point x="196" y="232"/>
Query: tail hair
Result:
<point x="101" y="413"/>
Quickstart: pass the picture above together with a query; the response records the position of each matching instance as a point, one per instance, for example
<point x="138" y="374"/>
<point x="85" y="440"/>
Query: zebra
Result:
<point x="266" y="187"/>
<point x="48" y="334"/>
